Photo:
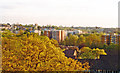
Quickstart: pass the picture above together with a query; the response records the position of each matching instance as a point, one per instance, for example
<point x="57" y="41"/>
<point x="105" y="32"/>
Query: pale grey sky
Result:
<point x="103" y="13"/>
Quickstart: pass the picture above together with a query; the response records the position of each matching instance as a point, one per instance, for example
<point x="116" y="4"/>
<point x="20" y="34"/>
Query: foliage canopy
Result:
<point x="30" y="52"/>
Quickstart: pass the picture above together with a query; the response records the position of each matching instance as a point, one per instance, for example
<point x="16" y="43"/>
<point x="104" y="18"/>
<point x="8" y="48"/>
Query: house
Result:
<point x="77" y="31"/>
<point x="109" y="62"/>
<point x="36" y="31"/>
<point x="5" y="26"/>
<point x="70" y="51"/>
<point x="70" y="32"/>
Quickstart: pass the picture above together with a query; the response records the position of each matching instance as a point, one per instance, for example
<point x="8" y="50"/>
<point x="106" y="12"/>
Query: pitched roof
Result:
<point x="109" y="62"/>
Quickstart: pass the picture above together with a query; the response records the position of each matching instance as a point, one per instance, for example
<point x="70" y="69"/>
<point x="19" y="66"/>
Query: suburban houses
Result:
<point x="60" y="35"/>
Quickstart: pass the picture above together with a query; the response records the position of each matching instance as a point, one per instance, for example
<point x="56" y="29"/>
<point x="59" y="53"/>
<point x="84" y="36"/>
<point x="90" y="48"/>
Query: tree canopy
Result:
<point x="30" y="52"/>
<point x="92" y="41"/>
<point x="88" y="53"/>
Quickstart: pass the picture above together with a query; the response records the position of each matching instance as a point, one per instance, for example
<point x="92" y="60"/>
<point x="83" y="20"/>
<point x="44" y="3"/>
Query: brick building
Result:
<point x="110" y="39"/>
<point x="47" y="33"/>
<point x="106" y="39"/>
<point x="62" y="35"/>
<point x="58" y="35"/>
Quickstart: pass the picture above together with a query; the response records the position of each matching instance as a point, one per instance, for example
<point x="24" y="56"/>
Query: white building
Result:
<point x="70" y="32"/>
<point x="77" y="32"/>
<point x="37" y="31"/>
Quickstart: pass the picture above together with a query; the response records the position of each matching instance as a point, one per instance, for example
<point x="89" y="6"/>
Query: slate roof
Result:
<point x="109" y="62"/>
<point x="69" y="53"/>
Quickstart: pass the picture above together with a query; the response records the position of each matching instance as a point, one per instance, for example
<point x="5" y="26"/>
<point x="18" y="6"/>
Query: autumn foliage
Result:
<point x="88" y="53"/>
<point x="30" y="52"/>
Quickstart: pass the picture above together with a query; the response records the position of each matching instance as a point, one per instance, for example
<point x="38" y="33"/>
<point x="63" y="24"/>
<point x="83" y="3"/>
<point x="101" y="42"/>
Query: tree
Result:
<point x="85" y="49"/>
<point x="36" y="53"/>
<point x="25" y="25"/>
<point x="88" y="53"/>
<point x="73" y="40"/>
<point x="97" y="52"/>
<point x="20" y="24"/>
<point x="26" y="31"/>
<point x="112" y="46"/>
<point x="93" y="41"/>
<point x="69" y="34"/>
<point x="105" y="46"/>
<point x="42" y="32"/>
<point x="3" y="29"/>
<point x="8" y="23"/>
<point x="85" y="53"/>
<point x="81" y="41"/>
<point x="66" y="41"/>
<point x="53" y="41"/>
<point x="8" y="34"/>
<point x="17" y="28"/>
<point x="39" y="27"/>
<point x="21" y="32"/>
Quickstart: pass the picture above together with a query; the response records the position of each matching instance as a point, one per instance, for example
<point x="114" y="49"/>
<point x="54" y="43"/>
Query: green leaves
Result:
<point x="88" y="53"/>
<point x="92" y="41"/>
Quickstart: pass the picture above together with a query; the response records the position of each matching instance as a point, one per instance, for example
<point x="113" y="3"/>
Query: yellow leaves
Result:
<point x="35" y="53"/>
<point x="85" y="49"/>
<point x="99" y="51"/>
<point x="28" y="58"/>
<point x="53" y="41"/>
<point x="24" y="50"/>
<point x="88" y="53"/>
<point x="58" y="64"/>
<point x="38" y="65"/>
<point x="63" y="49"/>
<point x="14" y="65"/>
<point x="79" y="57"/>
<point x="42" y="54"/>
<point x="102" y="52"/>
<point x="86" y="65"/>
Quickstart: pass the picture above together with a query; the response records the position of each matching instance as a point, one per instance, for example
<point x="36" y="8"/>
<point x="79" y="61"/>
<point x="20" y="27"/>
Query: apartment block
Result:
<point x="47" y="33"/>
<point x="106" y="39"/>
<point x="117" y="39"/>
<point x="62" y="35"/>
<point x="65" y="34"/>
<point x="110" y="39"/>
<point x="58" y="35"/>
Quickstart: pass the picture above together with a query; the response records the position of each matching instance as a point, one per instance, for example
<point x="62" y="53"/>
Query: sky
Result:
<point x="87" y="13"/>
